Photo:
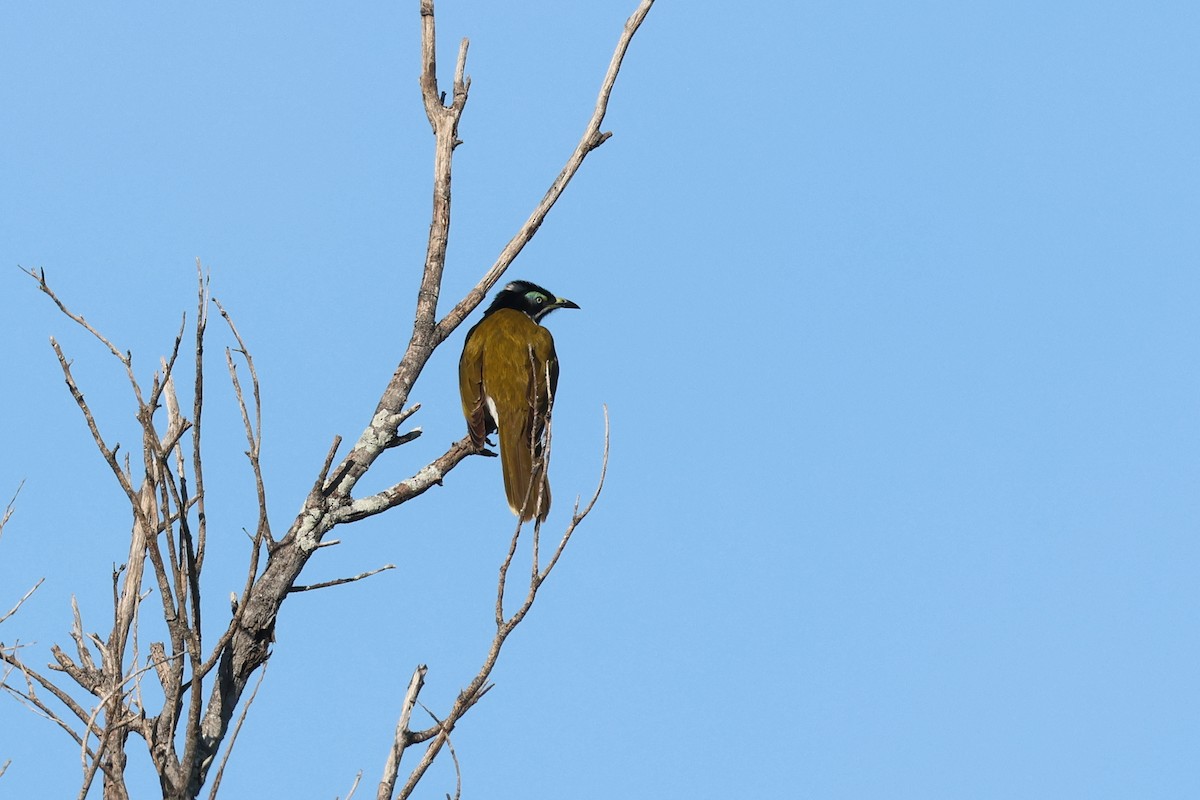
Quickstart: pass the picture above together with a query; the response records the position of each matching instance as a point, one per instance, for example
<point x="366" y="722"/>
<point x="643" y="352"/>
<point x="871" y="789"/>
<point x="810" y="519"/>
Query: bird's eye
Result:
<point x="539" y="300"/>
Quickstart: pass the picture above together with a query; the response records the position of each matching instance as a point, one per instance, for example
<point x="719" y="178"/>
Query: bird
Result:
<point x="507" y="376"/>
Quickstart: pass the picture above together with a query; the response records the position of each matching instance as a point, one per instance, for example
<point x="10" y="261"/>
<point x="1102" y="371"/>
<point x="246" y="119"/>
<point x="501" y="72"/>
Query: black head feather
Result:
<point x="529" y="298"/>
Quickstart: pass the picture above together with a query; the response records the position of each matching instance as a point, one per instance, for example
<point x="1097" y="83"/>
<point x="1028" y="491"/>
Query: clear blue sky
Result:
<point x="894" y="306"/>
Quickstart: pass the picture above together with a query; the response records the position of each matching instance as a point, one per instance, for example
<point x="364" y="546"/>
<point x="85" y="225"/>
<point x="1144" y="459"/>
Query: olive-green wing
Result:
<point x="470" y="386"/>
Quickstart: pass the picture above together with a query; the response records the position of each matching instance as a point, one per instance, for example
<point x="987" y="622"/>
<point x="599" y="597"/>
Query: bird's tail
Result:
<point x="525" y="480"/>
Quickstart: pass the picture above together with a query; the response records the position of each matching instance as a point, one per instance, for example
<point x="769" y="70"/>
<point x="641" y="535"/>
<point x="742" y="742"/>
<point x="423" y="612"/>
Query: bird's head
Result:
<point x="529" y="298"/>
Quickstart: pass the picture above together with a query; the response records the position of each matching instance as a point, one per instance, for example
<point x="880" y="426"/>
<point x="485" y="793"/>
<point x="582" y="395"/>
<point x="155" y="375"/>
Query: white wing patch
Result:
<point x="491" y="405"/>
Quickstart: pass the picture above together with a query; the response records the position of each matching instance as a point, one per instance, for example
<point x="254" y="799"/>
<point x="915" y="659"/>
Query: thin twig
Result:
<point x="262" y="673"/>
<point x="353" y="786"/>
<point x="340" y="581"/>
<point x="168" y="365"/>
<point x="110" y="456"/>
<point x="34" y="704"/>
<point x="40" y="277"/>
<point x="503" y="579"/>
<point x="453" y="755"/>
<point x="30" y="696"/>
<point x="90" y="767"/>
<point x="21" y="602"/>
<point x="578" y="516"/>
<point x="10" y="508"/>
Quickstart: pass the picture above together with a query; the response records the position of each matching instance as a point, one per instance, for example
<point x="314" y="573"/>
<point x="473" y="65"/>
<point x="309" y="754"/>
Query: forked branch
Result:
<point x="439" y="735"/>
<point x="591" y="139"/>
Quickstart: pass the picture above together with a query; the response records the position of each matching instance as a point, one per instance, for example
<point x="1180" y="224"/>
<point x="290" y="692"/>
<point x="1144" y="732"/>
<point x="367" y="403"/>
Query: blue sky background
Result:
<point x="894" y="307"/>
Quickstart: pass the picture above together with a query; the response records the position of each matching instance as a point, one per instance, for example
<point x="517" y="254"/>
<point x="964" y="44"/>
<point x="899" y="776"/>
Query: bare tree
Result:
<point x="94" y="689"/>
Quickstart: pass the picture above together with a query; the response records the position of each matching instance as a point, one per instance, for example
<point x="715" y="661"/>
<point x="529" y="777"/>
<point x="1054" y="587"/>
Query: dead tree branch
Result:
<point x="10" y="508"/>
<point x="402" y="738"/>
<point x="21" y="602"/>
<point x="340" y="581"/>
<point x="216" y="784"/>
<point x="439" y="735"/>
<point x="4" y="518"/>
<point x="591" y="139"/>
<point x="353" y="786"/>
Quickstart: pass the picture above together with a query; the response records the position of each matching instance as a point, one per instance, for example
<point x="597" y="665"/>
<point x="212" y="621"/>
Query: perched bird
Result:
<point x="507" y="375"/>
